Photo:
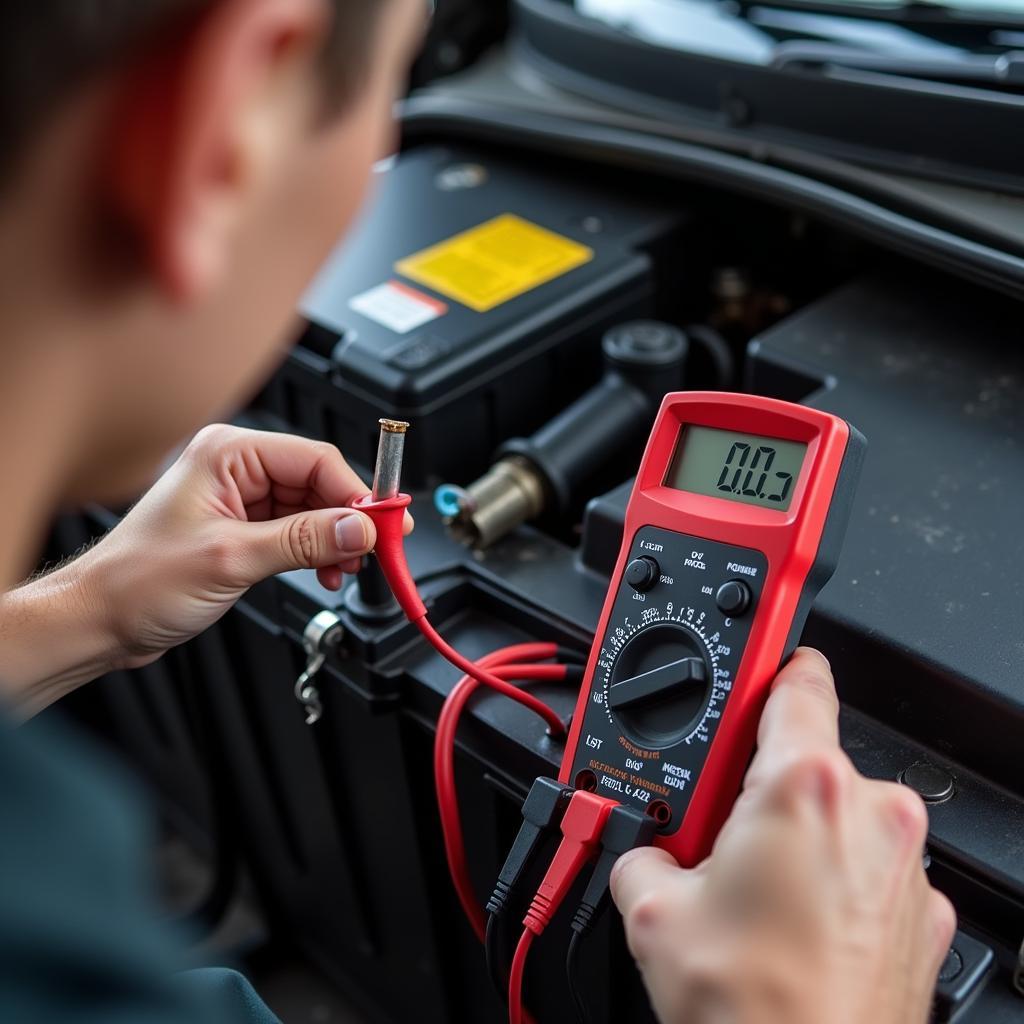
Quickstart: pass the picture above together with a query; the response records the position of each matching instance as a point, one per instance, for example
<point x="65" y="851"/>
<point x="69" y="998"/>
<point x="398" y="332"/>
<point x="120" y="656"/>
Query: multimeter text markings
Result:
<point x="665" y="671"/>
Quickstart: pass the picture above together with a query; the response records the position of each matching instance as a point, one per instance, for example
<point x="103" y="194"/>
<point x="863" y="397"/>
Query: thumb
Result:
<point x="640" y="873"/>
<point x="307" y="540"/>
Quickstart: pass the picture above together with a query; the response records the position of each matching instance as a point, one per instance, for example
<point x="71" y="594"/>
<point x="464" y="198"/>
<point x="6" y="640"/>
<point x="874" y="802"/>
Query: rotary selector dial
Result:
<point x="658" y="683"/>
<point x="664" y="673"/>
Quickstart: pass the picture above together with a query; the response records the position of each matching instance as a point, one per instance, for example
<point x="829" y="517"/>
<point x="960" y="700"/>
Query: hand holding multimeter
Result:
<point x="814" y="906"/>
<point x="734" y="524"/>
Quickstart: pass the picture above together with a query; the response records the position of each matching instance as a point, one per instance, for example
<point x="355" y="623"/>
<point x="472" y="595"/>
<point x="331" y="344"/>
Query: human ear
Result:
<point x="199" y="123"/>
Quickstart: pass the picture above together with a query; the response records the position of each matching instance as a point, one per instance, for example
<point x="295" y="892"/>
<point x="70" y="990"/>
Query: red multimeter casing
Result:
<point x="709" y="597"/>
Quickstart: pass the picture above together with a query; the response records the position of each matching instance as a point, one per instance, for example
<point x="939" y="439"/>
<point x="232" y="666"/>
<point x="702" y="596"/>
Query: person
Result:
<point x="173" y="173"/>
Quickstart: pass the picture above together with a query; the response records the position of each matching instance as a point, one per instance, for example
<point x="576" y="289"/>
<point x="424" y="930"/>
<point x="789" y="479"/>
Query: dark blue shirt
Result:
<point x="79" y="934"/>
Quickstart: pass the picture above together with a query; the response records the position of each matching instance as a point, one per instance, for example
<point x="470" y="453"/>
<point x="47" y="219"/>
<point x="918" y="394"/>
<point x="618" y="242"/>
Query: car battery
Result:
<point x="470" y="300"/>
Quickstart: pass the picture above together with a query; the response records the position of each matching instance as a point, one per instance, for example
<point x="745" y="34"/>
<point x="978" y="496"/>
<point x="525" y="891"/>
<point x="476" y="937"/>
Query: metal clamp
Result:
<point x="321" y="635"/>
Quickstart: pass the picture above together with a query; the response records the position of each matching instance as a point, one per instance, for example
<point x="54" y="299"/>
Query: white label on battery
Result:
<point x="397" y="307"/>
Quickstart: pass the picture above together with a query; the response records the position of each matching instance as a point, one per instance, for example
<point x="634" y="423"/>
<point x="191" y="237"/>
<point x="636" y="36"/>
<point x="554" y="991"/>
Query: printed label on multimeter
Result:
<point x="494" y="262"/>
<point x="666" y="667"/>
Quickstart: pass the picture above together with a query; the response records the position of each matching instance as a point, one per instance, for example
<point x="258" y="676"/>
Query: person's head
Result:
<point x="172" y="172"/>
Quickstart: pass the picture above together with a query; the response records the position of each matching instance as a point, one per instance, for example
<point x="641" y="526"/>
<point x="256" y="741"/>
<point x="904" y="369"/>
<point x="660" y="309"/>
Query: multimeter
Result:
<point x="734" y="524"/>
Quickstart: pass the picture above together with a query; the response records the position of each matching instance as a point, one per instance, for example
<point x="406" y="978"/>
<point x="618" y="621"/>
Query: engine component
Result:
<point x="470" y="300"/>
<point x="643" y="360"/>
<point x="322" y="634"/>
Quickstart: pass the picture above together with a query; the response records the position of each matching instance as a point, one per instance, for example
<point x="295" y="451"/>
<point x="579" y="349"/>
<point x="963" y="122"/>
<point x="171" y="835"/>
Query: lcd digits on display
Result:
<point x="739" y="467"/>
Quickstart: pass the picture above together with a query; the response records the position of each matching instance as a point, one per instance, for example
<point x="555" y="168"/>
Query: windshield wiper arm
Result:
<point x="999" y="69"/>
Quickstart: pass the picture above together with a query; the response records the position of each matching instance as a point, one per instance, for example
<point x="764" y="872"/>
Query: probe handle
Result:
<point x="388" y="515"/>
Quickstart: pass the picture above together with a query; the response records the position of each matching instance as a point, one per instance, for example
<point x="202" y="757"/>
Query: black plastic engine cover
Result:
<point x="925" y="614"/>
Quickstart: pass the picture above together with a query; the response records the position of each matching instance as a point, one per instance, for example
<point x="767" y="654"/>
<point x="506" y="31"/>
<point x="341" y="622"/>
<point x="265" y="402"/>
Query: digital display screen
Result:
<point x="739" y="467"/>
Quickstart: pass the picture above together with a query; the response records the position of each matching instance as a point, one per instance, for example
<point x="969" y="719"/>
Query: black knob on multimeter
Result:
<point x="659" y="684"/>
<point x="733" y="598"/>
<point x="642" y="573"/>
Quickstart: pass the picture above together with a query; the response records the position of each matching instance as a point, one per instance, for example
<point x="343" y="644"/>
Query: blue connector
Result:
<point x="450" y="500"/>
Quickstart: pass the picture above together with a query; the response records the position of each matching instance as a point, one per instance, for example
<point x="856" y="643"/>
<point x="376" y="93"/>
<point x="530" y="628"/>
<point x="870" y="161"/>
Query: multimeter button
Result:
<point x="733" y="598"/>
<point x="642" y="573"/>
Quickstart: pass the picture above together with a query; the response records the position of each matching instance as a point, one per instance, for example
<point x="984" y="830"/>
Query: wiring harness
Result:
<point x="590" y="826"/>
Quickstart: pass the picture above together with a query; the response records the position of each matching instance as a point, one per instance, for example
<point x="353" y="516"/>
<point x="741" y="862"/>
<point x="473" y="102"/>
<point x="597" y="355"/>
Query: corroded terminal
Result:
<point x="388" y="474"/>
<point x="509" y="494"/>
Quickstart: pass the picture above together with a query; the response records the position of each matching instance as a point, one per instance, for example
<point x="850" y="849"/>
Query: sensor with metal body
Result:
<point x="644" y="359"/>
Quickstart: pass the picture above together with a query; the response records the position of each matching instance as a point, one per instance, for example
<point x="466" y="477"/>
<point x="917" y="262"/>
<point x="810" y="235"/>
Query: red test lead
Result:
<point x="508" y="663"/>
<point x="582" y="825"/>
<point x="386" y="506"/>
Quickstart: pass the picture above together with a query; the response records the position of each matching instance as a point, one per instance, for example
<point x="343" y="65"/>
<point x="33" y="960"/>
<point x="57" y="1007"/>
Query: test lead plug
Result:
<point x="626" y="829"/>
<point x="582" y="826"/>
<point x="543" y="810"/>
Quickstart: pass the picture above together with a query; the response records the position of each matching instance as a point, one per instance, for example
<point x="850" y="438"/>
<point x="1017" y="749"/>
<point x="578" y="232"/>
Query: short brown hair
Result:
<point x="48" y="48"/>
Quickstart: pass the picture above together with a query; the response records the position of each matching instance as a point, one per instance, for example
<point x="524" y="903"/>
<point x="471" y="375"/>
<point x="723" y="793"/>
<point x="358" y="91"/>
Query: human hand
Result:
<point x="236" y="507"/>
<point x="813" y="906"/>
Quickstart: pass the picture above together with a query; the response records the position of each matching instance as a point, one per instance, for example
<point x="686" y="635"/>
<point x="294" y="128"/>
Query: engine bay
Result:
<point x="525" y="309"/>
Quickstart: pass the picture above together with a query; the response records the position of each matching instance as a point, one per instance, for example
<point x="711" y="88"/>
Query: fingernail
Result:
<point x="817" y="653"/>
<point x="350" y="532"/>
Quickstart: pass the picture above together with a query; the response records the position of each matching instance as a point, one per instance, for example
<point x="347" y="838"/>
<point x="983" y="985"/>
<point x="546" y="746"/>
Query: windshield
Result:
<point x="974" y="6"/>
<point x="619" y="8"/>
<point x="751" y="32"/>
<point x="929" y="89"/>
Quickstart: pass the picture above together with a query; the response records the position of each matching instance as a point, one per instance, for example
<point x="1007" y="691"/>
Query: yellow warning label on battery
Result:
<point x="494" y="262"/>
